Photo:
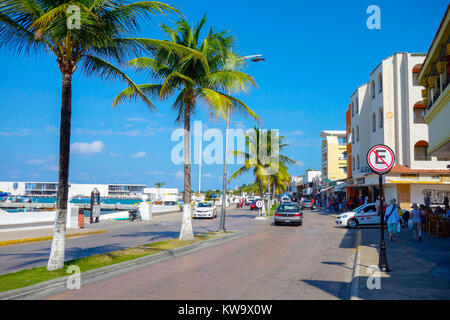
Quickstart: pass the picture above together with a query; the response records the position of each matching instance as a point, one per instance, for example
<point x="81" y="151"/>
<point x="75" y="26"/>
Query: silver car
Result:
<point x="288" y="213"/>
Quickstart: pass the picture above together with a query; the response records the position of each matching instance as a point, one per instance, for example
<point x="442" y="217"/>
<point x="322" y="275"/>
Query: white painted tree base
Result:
<point x="186" y="233"/>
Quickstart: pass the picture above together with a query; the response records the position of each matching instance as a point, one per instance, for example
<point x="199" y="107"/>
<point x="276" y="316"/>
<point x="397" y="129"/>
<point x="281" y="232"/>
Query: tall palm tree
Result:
<point x="90" y="35"/>
<point x="263" y="156"/>
<point x="207" y="81"/>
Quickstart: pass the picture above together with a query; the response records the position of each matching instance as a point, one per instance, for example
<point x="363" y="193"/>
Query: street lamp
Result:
<point x="253" y="58"/>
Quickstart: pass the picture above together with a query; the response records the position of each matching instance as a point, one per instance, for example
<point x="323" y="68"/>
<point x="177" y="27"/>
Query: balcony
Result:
<point x="438" y="93"/>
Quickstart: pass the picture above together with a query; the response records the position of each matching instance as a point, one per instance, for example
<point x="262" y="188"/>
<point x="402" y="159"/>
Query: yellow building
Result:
<point x="334" y="155"/>
<point x="434" y="75"/>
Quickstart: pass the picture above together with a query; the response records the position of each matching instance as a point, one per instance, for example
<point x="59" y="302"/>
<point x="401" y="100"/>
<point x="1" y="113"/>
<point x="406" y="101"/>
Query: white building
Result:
<point x="388" y="110"/>
<point x="50" y="189"/>
<point x="311" y="182"/>
<point x="162" y="194"/>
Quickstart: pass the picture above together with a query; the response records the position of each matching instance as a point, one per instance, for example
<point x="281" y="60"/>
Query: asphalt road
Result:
<point x="313" y="261"/>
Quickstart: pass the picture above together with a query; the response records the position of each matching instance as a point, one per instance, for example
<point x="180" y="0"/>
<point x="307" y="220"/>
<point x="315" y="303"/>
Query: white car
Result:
<point x="364" y="215"/>
<point x="205" y="210"/>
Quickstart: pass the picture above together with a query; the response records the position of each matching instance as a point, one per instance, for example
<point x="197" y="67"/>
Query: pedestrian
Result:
<point x="406" y="216"/>
<point x="416" y="217"/>
<point x="392" y="219"/>
<point x="427" y="200"/>
<point x="366" y="199"/>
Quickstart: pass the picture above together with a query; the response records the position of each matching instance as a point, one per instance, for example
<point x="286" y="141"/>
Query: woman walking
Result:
<point x="416" y="217"/>
<point x="392" y="219"/>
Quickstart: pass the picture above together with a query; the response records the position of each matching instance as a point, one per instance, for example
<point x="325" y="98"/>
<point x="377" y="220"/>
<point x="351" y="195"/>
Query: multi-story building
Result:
<point x="334" y="155"/>
<point x="311" y="182"/>
<point x="387" y="110"/>
<point x="434" y="75"/>
<point x="50" y="189"/>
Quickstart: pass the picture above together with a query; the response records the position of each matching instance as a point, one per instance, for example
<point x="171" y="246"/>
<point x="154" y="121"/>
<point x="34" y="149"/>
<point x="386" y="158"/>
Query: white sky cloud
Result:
<point x="87" y="148"/>
<point x="139" y="155"/>
<point x="179" y="174"/>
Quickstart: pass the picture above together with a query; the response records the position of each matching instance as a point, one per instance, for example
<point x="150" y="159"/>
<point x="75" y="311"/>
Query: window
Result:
<point x="421" y="151"/>
<point x="357" y="162"/>
<point x="380" y="120"/>
<point x="353" y="136"/>
<point x="353" y="109"/>
<point x="374" y="122"/>
<point x="418" y="116"/>
<point x="373" y="89"/>
<point x="357" y="133"/>
<point x="380" y="82"/>
<point x="415" y="74"/>
<point x="357" y="105"/>
<point x="342" y="140"/>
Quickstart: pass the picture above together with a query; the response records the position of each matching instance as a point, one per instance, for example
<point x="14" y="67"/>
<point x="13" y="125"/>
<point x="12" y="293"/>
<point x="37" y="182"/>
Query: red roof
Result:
<point x="399" y="168"/>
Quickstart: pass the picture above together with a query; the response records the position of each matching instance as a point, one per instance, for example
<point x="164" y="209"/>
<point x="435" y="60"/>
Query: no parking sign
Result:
<point x="380" y="159"/>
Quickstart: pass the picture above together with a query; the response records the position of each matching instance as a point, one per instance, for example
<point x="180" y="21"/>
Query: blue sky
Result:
<point x="317" y="54"/>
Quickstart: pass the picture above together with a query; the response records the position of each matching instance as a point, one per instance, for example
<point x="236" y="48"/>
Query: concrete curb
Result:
<point x="354" y="289"/>
<point x="45" y="289"/>
<point x="47" y="238"/>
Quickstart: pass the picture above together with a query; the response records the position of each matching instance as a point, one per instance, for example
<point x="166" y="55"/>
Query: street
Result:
<point x="313" y="261"/>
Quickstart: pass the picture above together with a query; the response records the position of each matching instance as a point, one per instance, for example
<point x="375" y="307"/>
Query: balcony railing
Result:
<point x="438" y="93"/>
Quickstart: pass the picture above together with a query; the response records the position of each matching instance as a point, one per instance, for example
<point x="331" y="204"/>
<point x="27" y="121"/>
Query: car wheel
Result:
<point x="352" y="223"/>
<point x="277" y="223"/>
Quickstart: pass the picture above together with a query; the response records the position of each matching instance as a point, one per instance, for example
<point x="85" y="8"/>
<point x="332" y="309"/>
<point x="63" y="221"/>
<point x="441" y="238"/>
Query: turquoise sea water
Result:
<point x="106" y="201"/>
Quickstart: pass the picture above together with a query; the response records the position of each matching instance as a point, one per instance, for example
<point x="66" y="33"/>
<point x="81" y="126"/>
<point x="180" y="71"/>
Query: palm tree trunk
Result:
<point x="56" y="260"/>
<point x="186" y="232"/>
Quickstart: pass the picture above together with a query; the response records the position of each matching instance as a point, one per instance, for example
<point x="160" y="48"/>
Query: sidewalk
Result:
<point x="419" y="270"/>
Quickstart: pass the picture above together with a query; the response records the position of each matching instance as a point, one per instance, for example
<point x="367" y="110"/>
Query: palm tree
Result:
<point x="89" y="35"/>
<point x="193" y="81"/>
<point x="264" y="158"/>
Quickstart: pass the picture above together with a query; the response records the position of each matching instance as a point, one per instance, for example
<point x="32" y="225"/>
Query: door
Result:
<point x="370" y="215"/>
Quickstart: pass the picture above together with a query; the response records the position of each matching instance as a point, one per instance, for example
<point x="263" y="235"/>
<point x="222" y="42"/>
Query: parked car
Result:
<point x="205" y="210"/>
<point x="363" y="215"/>
<point x="285" y="199"/>
<point x="253" y="205"/>
<point x="307" y="204"/>
<point x="288" y="213"/>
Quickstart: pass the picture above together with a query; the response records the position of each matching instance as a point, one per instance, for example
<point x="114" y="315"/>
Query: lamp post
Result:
<point x="253" y="58"/>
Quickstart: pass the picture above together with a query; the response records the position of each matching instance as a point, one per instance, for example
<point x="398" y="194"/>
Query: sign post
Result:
<point x="381" y="159"/>
<point x="259" y="205"/>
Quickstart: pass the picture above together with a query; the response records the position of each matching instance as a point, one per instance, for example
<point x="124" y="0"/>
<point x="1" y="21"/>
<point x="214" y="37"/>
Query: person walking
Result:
<point x="427" y="200"/>
<point x="416" y="217"/>
<point x="392" y="219"/>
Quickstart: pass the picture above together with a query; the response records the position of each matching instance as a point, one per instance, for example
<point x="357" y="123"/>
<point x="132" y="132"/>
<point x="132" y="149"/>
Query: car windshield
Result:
<point x="306" y="201"/>
<point x="288" y="208"/>
<point x="359" y="208"/>
<point x="205" y="205"/>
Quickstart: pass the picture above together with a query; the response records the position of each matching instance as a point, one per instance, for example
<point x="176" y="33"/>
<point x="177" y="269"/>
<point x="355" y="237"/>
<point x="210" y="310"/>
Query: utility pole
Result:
<point x="254" y="58"/>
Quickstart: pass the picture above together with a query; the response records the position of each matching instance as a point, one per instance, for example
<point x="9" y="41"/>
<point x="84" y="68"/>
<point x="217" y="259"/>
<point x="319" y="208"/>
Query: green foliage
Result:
<point x="28" y="277"/>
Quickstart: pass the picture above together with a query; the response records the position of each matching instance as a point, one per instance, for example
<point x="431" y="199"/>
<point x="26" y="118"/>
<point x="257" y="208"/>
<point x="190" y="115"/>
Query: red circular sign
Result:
<point x="380" y="159"/>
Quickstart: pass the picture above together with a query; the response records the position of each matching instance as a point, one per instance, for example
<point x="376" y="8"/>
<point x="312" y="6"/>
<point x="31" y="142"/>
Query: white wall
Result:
<point x="417" y="195"/>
